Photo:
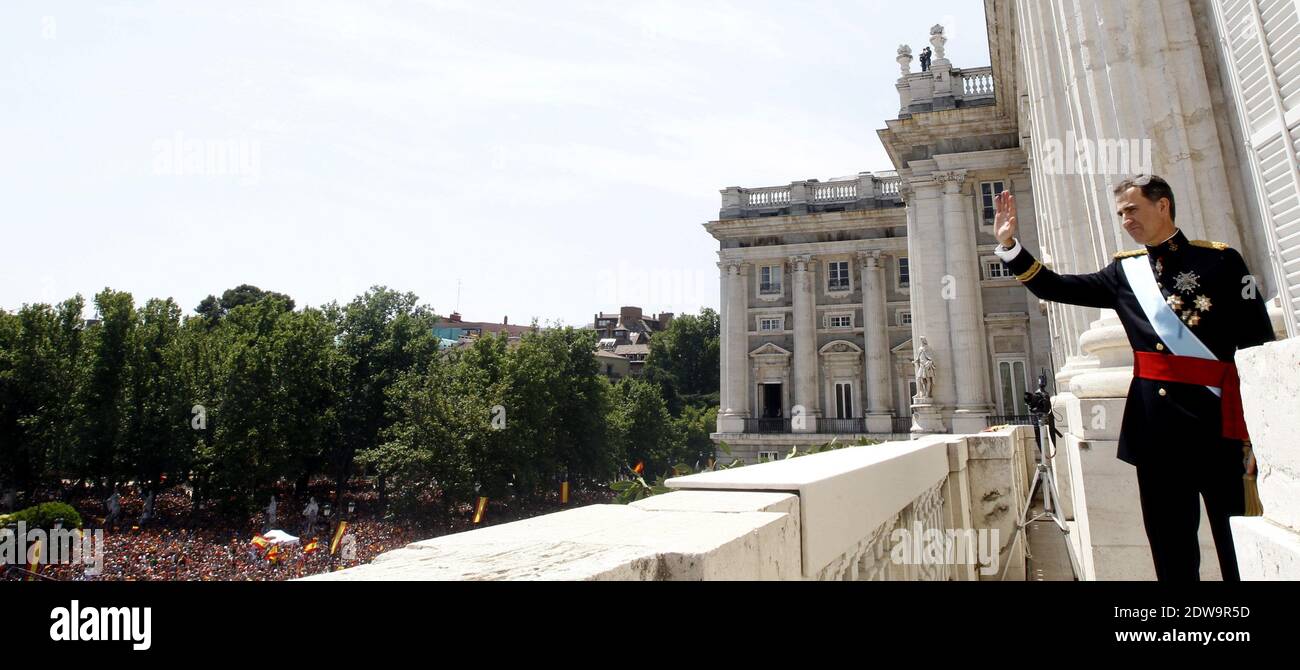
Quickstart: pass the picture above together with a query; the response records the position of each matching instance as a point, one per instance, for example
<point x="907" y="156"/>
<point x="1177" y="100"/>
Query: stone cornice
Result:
<point x="807" y="223"/>
<point x="890" y="245"/>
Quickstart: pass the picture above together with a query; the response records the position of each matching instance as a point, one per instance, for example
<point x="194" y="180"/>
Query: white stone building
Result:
<point x="826" y="286"/>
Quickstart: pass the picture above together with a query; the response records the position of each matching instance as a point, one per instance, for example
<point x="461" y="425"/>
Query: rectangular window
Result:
<point x="988" y="190"/>
<point x="765" y="456"/>
<point x="904" y="273"/>
<point x="769" y="280"/>
<point x="844" y="400"/>
<point x="996" y="270"/>
<point x="769" y="324"/>
<point x="837" y="276"/>
<point x="905" y="318"/>
<point x="840" y="321"/>
<point x="1011" y="376"/>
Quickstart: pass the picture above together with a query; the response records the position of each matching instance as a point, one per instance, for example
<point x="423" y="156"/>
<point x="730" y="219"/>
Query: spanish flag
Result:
<point x="481" y="509"/>
<point x="564" y="493"/>
<point x="35" y="566"/>
<point x="311" y="547"/>
<point x="260" y="542"/>
<point x="640" y="467"/>
<point x="338" y="537"/>
<point x="274" y="554"/>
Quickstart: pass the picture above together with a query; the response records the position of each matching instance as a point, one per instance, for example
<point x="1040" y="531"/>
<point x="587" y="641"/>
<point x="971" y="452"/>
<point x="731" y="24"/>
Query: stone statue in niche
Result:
<point x="924" y="363"/>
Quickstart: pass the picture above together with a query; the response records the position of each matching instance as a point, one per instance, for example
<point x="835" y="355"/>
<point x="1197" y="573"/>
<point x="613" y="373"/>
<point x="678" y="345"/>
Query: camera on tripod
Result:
<point x="1039" y="401"/>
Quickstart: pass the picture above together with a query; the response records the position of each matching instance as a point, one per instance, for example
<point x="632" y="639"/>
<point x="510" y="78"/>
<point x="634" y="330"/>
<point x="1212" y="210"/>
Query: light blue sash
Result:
<point x="1169" y="328"/>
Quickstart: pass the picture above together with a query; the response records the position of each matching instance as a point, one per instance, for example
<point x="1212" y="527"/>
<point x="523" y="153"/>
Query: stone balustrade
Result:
<point x="889" y="511"/>
<point x="943" y="87"/>
<point x="866" y="191"/>
<point x="975" y="82"/>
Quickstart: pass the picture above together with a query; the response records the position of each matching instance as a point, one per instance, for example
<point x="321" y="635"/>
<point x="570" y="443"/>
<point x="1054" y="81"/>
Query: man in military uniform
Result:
<point x="1187" y="306"/>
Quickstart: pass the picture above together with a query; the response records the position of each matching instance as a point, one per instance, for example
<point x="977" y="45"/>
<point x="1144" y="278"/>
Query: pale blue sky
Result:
<point x="556" y="157"/>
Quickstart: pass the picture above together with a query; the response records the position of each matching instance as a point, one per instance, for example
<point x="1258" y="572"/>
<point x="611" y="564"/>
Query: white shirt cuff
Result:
<point x="1007" y="255"/>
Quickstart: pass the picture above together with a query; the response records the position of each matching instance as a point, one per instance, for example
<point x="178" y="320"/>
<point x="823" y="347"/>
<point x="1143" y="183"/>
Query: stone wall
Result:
<point x="842" y="515"/>
<point x="1268" y="547"/>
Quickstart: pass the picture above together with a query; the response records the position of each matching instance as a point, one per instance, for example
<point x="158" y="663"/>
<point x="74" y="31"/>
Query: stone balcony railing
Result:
<point x="945" y="88"/>
<point x="865" y="191"/>
<point x="942" y="507"/>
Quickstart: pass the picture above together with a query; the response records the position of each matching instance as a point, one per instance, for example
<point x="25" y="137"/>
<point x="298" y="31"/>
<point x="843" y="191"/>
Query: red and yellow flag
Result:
<point x="481" y="509"/>
<point x="311" y="547"/>
<point x="35" y="566"/>
<point x="338" y="537"/>
<point x="640" y="467"/>
<point x="564" y="493"/>
<point x="260" y="542"/>
<point x="274" y="554"/>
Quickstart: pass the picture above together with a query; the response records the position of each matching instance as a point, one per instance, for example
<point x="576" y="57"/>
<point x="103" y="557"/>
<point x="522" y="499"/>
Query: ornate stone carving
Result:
<point x="800" y="263"/>
<point x="904" y="59"/>
<point x="937" y="40"/>
<point x="870" y="259"/>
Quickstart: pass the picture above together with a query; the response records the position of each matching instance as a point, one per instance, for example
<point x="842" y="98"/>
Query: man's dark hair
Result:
<point x="1153" y="188"/>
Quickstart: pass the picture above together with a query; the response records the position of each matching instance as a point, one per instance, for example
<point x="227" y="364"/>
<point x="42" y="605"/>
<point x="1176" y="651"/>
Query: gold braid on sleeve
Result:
<point x="1031" y="272"/>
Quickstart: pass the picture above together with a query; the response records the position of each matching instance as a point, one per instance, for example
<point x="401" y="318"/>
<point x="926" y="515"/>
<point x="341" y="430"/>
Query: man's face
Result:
<point x="1145" y="221"/>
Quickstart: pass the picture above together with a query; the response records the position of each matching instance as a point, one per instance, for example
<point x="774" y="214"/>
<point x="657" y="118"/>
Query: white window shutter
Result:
<point x="1261" y="40"/>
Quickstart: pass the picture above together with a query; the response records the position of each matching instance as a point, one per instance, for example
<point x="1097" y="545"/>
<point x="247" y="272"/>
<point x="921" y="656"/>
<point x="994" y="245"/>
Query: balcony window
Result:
<point x="837" y="276"/>
<point x="988" y="190"/>
<point x="769" y="280"/>
<point x="904" y="273"/>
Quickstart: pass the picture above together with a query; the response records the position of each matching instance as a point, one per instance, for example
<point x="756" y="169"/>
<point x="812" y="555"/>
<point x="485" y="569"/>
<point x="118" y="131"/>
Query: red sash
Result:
<point x="1203" y="371"/>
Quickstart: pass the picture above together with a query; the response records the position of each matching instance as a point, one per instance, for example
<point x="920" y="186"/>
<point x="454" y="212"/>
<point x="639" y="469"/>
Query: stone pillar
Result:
<point x="735" y="345"/>
<point x="876" y="383"/>
<point x="904" y="89"/>
<point x="925" y="248"/>
<point x="805" y="346"/>
<point x="961" y="291"/>
<point x="941" y="71"/>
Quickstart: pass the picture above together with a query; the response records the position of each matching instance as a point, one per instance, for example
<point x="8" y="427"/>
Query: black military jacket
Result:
<point x="1208" y="286"/>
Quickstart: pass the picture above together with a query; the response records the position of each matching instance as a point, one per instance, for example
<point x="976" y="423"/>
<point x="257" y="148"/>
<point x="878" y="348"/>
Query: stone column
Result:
<point x="805" y="346"/>
<point x="961" y="291"/>
<point x="925" y="249"/>
<point x="735" y="345"/>
<point x="876" y="382"/>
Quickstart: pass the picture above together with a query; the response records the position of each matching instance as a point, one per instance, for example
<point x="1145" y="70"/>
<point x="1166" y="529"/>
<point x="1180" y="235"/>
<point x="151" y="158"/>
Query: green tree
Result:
<point x="684" y="361"/>
<point x="555" y="408"/>
<point x="381" y="335"/>
<point x="246" y="452"/>
<point x="156" y="435"/>
<point x="100" y="428"/>
<point x="641" y="427"/>
<point x="306" y="369"/>
<point x="213" y="308"/>
<point x="39" y="352"/>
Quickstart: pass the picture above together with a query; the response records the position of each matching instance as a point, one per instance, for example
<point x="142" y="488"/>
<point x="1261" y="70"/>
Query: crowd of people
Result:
<point x="173" y="542"/>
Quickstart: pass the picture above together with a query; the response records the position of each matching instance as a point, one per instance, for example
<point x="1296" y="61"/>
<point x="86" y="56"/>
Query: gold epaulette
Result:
<point x="1217" y="246"/>
<point x="1129" y="254"/>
